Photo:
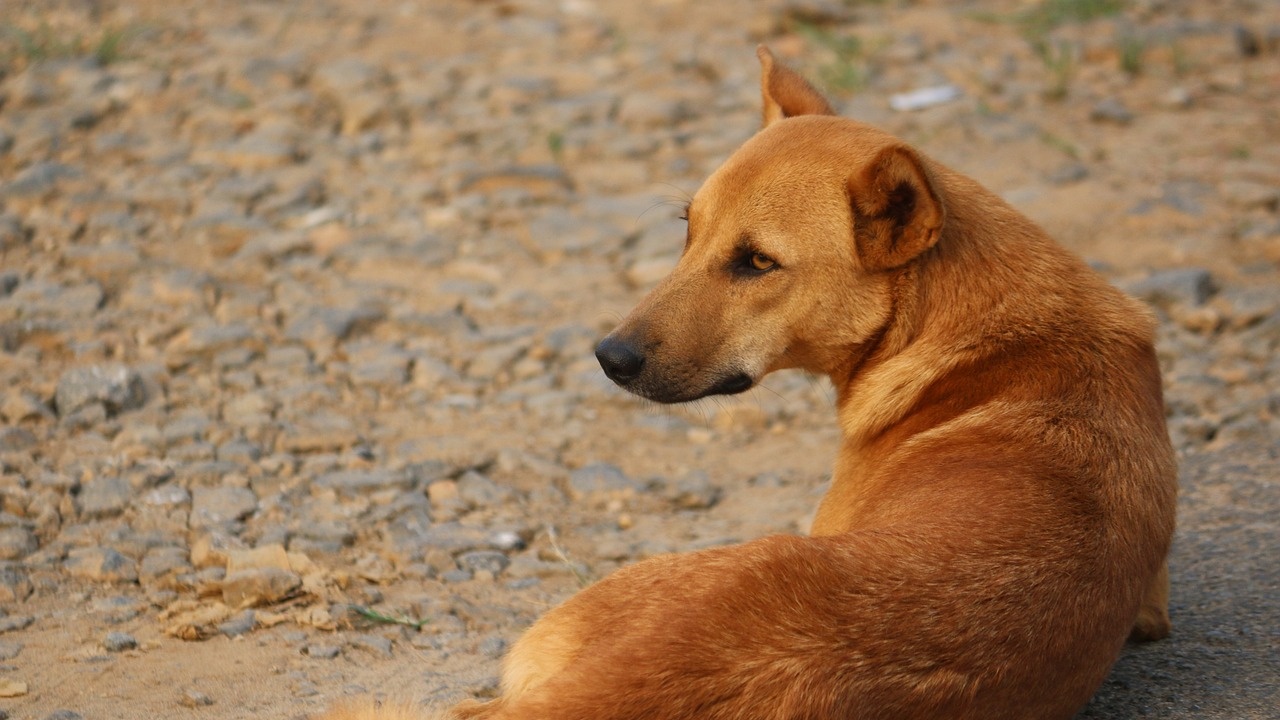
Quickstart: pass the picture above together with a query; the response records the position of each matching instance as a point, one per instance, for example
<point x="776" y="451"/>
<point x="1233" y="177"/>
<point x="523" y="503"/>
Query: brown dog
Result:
<point x="1003" y="500"/>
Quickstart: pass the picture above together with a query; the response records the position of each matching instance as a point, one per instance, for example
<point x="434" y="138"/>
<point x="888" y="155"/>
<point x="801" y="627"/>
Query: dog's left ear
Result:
<point x="897" y="212"/>
<point x="785" y="93"/>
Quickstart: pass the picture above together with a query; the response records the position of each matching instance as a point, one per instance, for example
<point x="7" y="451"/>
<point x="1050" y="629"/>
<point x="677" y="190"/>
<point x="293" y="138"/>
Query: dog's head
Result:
<point x="790" y="257"/>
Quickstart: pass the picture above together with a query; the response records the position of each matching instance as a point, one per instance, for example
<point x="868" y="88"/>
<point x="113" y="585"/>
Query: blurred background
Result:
<point x="298" y="299"/>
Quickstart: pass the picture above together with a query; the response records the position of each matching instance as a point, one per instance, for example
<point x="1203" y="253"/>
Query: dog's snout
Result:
<point x="620" y="360"/>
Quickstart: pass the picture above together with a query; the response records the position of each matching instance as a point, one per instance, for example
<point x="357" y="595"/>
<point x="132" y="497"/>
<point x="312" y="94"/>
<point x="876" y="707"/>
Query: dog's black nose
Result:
<point x="621" y="362"/>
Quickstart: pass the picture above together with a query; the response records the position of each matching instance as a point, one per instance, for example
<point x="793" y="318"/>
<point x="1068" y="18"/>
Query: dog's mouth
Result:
<point x="731" y="384"/>
<point x="671" y="382"/>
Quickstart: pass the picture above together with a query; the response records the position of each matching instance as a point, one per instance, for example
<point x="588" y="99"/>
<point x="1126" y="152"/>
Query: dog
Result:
<point x="1004" y="495"/>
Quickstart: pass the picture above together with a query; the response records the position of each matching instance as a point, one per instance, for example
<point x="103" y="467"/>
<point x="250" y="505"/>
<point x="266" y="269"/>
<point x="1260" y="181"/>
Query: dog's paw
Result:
<point x="1151" y="625"/>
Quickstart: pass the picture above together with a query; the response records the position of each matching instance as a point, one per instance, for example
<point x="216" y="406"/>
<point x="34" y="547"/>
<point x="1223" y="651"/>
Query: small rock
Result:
<point x="117" y="387"/>
<point x="694" y="492"/>
<point x="1069" y="173"/>
<point x="194" y="698"/>
<point x="15" y="622"/>
<point x="16" y="439"/>
<point x="483" y="560"/>
<point x="116" y="609"/>
<point x="104" y="497"/>
<point x="1248" y="195"/>
<point x="12" y="688"/>
<point x="1111" y="110"/>
<point x="39" y="178"/>
<point x="322" y="652"/>
<point x="258" y="586"/>
<point x="116" y="642"/>
<point x="212" y="507"/>
<point x="600" y="480"/>
<point x="64" y="715"/>
<point x="493" y="647"/>
<point x="1180" y="286"/>
<point x="363" y="481"/>
<point x="213" y="548"/>
<point x="477" y="490"/>
<point x="163" y="561"/>
<point x="239" y="624"/>
<point x="14" y="583"/>
<point x="100" y="564"/>
<point x="10" y="650"/>
<point x="16" y="543"/>
<point x="375" y="644"/>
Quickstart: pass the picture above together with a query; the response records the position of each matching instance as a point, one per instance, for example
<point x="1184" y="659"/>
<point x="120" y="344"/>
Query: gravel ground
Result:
<point x="297" y="303"/>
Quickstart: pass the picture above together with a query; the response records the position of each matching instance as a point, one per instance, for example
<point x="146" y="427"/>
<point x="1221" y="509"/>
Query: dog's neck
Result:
<point x="950" y="306"/>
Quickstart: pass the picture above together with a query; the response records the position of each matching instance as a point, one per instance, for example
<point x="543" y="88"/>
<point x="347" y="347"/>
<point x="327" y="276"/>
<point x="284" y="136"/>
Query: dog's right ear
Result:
<point x="897" y="212"/>
<point x="785" y="93"/>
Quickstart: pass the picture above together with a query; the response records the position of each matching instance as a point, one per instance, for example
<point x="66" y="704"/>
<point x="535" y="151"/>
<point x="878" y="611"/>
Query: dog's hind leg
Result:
<point x="1153" y="617"/>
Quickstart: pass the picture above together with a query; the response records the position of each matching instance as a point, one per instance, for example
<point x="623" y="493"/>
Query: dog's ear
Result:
<point x="897" y="212"/>
<point x="785" y="93"/>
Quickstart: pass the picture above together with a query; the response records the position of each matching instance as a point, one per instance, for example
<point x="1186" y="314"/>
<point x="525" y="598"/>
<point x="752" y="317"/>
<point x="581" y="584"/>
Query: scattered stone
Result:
<point x="117" y="387"/>
<point x="1184" y="286"/>
<point x="600" y="481"/>
<point x="64" y="715"/>
<point x="100" y="564"/>
<point x="1111" y="110"/>
<point x="258" y="586"/>
<point x="214" y="507"/>
<point x="694" y="492"/>
<point x="15" y="586"/>
<point x="239" y="624"/>
<point x="15" y="622"/>
<point x="10" y="650"/>
<point x="483" y="560"/>
<point x="322" y="652"/>
<point x="194" y="698"/>
<point x="104" y="497"/>
<point x="375" y="644"/>
<point x="10" y="688"/>
<point x="16" y="543"/>
<point x="16" y="439"/>
<point x="116" y="642"/>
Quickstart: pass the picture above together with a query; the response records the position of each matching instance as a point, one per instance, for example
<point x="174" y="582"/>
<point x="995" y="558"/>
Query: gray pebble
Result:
<point x="322" y="652"/>
<point x="15" y="586"/>
<point x="493" y="647"/>
<point x="239" y="624"/>
<point x="116" y="642"/>
<point x="10" y="650"/>
<point x="375" y="644"/>
<point x="194" y="698"/>
<point x="16" y="439"/>
<point x="117" y="387"/>
<point x="100" y="564"/>
<point x="258" y="586"/>
<point x="16" y="543"/>
<point x="599" y="480"/>
<point x="15" y="622"/>
<point x="1111" y="110"/>
<point x="1182" y="286"/>
<point x="477" y="490"/>
<point x="104" y="497"/>
<point x="212" y="507"/>
<point x="489" y="561"/>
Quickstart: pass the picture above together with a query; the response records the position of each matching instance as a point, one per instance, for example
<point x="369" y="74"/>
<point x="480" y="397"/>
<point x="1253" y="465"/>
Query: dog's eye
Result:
<point x="761" y="262"/>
